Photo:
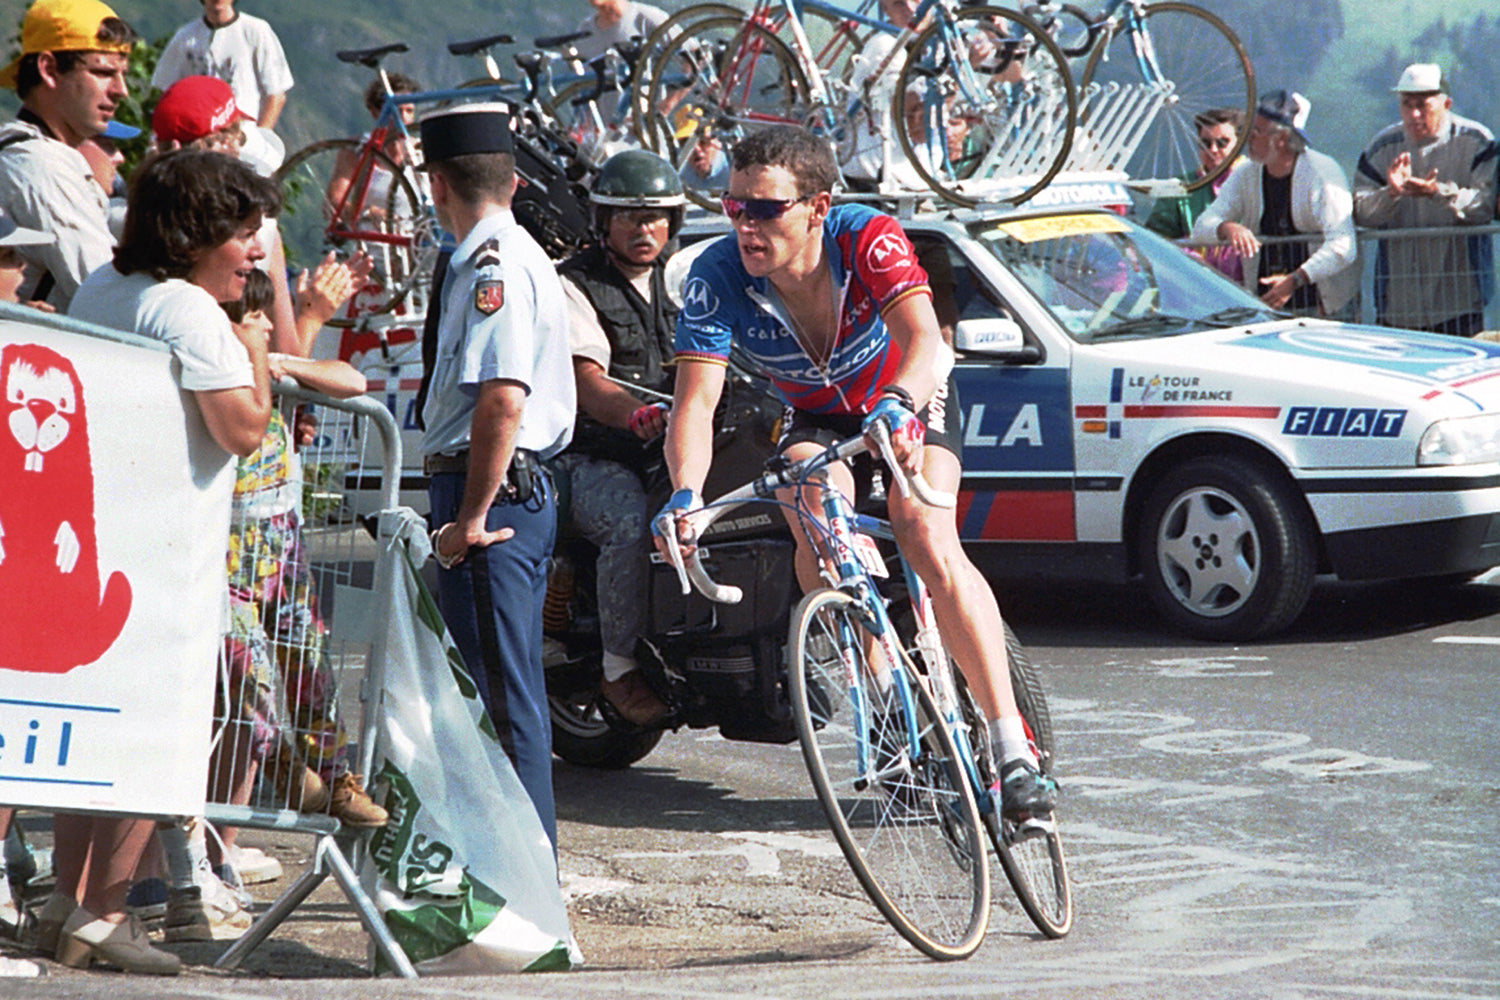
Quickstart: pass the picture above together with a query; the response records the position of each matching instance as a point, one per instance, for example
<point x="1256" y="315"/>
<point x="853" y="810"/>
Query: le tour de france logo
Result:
<point x="54" y="616"/>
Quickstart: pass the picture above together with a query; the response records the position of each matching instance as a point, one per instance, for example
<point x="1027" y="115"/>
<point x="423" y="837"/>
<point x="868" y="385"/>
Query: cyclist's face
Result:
<point x="770" y="245"/>
<point x="639" y="234"/>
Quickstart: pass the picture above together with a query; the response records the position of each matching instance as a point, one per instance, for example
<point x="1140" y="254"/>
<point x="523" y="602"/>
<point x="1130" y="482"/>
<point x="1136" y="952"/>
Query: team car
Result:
<point x="1127" y="413"/>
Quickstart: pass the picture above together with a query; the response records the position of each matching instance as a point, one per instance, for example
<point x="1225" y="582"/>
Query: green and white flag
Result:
<point x="463" y="872"/>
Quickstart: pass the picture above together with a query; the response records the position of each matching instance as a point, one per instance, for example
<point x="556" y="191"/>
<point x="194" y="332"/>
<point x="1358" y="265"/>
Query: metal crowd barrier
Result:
<point x="296" y="688"/>
<point x="1417" y="278"/>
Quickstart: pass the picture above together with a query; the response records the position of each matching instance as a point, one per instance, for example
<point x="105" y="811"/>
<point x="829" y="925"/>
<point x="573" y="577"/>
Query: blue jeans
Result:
<point x="492" y="604"/>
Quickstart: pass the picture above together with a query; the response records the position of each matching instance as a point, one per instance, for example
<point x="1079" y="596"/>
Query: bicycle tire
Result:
<point x="400" y="241"/>
<point x="913" y="836"/>
<point x="1071" y="27"/>
<point x="640" y="84"/>
<point x="1033" y="861"/>
<point x="1019" y="130"/>
<point x="835" y="43"/>
<point x="1207" y="67"/>
<point x="726" y="74"/>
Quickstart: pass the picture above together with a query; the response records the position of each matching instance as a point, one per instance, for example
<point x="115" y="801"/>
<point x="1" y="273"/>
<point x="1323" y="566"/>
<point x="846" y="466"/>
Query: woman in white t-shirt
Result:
<point x="190" y="240"/>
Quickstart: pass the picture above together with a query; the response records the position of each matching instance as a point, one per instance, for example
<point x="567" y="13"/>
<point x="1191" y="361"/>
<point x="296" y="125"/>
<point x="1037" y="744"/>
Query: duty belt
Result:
<point x="522" y="479"/>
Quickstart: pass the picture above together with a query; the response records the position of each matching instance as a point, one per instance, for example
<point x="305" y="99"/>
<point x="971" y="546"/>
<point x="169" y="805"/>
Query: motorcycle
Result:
<point x="713" y="665"/>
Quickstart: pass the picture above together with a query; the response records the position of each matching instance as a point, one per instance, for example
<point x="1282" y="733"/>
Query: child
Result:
<point x="274" y="614"/>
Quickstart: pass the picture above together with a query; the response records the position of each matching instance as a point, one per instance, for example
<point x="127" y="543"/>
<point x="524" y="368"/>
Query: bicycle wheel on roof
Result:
<point x="902" y="810"/>
<point x="651" y="49"/>
<point x="1197" y="63"/>
<point x="984" y="106"/>
<point x="725" y="76"/>
<point x="339" y="195"/>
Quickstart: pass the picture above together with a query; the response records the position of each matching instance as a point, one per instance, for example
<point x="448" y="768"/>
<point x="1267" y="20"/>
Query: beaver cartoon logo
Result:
<point x="47" y="547"/>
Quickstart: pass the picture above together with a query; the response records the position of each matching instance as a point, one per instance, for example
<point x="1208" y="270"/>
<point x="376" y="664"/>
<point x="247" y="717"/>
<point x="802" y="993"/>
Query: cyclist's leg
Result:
<point x="969" y="618"/>
<point x="795" y="447"/>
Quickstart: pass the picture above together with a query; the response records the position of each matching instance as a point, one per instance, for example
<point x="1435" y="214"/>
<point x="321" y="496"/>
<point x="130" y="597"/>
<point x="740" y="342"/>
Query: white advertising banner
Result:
<point x="114" y="519"/>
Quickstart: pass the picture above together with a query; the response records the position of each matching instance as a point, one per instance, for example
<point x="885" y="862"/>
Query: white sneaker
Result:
<point x="208" y="911"/>
<point x="253" y="866"/>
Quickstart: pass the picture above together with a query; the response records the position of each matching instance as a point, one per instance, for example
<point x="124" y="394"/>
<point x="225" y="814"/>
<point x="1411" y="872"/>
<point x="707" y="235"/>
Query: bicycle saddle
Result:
<point x="370" y="57"/>
<point x="558" y="41"/>
<point x="479" y="44"/>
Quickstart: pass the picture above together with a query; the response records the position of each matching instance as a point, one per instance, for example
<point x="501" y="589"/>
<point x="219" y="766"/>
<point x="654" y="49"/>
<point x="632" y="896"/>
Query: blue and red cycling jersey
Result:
<point x="873" y="264"/>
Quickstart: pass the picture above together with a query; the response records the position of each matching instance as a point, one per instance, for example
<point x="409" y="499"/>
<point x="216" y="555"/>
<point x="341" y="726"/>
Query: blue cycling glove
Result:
<point x="899" y="419"/>
<point x="681" y="502"/>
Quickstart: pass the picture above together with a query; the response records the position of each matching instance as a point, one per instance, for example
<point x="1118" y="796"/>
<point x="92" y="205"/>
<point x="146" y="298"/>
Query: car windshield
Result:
<point x="1104" y="278"/>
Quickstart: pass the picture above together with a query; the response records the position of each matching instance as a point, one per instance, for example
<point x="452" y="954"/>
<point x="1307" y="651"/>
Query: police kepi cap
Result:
<point x="466" y="129"/>
<point x="1421" y="78"/>
<point x="61" y="26"/>
<point x="194" y="107"/>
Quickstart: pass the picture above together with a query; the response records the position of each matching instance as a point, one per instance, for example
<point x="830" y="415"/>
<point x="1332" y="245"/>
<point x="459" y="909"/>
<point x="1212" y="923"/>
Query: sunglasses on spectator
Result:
<point x="759" y="209"/>
<point x="1220" y="142"/>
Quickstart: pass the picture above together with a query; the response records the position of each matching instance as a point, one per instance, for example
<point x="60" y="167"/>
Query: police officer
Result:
<point x="620" y="325"/>
<point x="500" y="401"/>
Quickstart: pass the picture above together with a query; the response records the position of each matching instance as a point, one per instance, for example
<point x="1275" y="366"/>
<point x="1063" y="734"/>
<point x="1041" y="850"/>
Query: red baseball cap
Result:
<point x="194" y="107"/>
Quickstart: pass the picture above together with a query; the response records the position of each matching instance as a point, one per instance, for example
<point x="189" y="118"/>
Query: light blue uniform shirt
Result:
<point x="504" y="317"/>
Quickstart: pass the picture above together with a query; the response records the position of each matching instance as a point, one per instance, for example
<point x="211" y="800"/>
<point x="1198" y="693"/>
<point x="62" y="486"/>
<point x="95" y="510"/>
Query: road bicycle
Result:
<point x="981" y="93"/>
<point x="894" y="743"/>
<point x="367" y="194"/>
<point x="1189" y="52"/>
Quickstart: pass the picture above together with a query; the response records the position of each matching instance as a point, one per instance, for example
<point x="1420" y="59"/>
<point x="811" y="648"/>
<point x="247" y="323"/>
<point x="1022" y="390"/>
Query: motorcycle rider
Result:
<point x="621" y="323"/>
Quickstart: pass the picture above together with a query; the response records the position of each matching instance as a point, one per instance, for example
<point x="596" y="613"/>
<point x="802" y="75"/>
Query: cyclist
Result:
<point x="831" y="302"/>
<point x="620" y="323"/>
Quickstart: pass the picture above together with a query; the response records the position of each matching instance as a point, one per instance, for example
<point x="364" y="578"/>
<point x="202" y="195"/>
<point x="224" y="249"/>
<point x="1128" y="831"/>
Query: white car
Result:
<point x="1128" y="413"/>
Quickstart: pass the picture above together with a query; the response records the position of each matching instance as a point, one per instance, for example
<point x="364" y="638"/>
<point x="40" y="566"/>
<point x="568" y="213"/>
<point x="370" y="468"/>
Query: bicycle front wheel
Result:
<point x="339" y="195"/>
<point x="1030" y="854"/>
<point x="1202" y="66"/>
<point x="984" y="105"/>
<point x="905" y="818"/>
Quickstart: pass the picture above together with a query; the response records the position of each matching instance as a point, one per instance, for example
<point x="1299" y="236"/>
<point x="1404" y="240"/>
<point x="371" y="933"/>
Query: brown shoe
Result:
<point x="352" y="806"/>
<point x="297" y="785"/>
<point x="633" y="698"/>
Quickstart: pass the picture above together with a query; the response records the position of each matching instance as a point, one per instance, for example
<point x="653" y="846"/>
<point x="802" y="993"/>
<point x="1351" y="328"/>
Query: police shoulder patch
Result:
<point x="489" y="296"/>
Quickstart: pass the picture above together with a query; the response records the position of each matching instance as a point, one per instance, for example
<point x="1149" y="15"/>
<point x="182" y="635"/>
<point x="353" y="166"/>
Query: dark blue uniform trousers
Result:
<point x="492" y="603"/>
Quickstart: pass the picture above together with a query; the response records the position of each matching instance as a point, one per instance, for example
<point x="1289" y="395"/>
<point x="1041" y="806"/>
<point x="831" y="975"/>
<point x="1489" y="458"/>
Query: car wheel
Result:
<point x="1228" y="550"/>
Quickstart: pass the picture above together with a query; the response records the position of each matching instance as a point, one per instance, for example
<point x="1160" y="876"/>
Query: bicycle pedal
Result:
<point x="1032" y="828"/>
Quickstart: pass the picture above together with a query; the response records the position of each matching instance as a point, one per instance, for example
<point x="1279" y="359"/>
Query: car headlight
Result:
<point x="1461" y="441"/>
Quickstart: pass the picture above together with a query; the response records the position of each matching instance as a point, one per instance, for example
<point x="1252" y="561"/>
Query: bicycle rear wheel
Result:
<point x="1031" y="855"/>
<point x="908" y="824"/>
<point x="985" y="97"/>
<point x="1207" y="68"/>
<point x="337" y="195"/>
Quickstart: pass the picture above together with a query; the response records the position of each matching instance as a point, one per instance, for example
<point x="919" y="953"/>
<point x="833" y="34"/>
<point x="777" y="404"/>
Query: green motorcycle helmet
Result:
<point x="636" y="178"/>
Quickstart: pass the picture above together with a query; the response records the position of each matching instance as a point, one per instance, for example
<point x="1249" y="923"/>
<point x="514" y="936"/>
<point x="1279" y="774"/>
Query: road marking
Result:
<point x="1211" y="741"/>
<point x="1470" y="640"/>
<point x="758" y="848"/>
<point x="1328" y="763"/>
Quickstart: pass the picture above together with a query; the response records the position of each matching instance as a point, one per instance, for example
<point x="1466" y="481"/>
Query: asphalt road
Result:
<point x="1312" y="817"/>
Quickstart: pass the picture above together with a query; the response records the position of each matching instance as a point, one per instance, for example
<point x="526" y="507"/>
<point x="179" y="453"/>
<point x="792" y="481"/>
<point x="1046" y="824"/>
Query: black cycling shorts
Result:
<point x="939" y="416"/>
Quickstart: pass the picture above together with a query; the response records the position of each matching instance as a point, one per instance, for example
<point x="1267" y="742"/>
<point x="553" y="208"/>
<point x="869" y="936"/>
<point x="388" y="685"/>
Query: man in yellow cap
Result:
<point x="70" y="77"/>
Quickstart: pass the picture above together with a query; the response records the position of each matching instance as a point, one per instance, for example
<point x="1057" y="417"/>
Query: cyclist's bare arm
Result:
<point x="689" y="446"/>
